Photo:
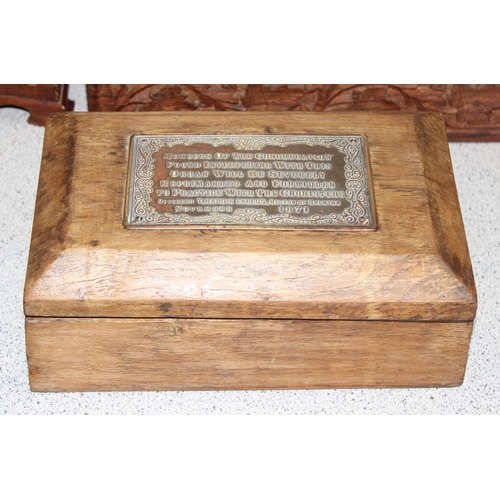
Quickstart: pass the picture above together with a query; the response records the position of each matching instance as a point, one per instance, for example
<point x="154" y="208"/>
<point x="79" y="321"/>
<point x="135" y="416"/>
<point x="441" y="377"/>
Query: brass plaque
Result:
<point x="252" y="181"/>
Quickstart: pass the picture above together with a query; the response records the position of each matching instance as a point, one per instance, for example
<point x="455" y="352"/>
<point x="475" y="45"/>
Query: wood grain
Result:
<point x="471" y="112"/>
<point x="110" y="308"/>
<point x="39" y="100"/>
<point x="190" y="354"/>
<point x="83" y="262"/>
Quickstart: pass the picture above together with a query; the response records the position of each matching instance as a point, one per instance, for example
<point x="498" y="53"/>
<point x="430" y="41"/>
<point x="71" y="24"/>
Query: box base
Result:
<point x="111" y="354"/>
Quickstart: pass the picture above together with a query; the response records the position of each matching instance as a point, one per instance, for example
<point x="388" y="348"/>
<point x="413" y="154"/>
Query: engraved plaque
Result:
<point x="276" y="181"/>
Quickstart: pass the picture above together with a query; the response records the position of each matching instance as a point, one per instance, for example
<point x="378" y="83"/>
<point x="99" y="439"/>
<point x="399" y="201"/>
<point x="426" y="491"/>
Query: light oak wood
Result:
<point x="88" y="354"/>
<point x="83" y="261"/>
<point x="111" y="308"/>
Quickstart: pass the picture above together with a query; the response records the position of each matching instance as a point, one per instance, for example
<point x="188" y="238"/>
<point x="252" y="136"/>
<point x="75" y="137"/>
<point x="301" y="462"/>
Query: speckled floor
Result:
<point x="477" y="171"/>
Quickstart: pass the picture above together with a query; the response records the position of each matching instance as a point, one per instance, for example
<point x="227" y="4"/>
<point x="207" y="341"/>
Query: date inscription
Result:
<point x="310" y="182"/>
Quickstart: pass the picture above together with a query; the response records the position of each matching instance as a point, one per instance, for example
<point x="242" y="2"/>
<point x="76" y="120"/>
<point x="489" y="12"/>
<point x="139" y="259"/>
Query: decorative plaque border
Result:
<point x="359" y="214"/>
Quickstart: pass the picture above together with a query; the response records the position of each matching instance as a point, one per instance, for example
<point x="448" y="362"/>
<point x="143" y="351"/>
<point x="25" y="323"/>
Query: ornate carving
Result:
<point x="471" y="112"/>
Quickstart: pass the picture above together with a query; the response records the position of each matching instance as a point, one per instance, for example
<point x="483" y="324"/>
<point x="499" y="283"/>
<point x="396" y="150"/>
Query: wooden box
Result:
<point x="39" y="99"/>
<point x="110" y="306"/>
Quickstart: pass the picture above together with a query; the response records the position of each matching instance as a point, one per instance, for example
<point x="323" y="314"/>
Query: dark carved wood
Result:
<point x="471" y="112"/>
<point x="39" y="100"/>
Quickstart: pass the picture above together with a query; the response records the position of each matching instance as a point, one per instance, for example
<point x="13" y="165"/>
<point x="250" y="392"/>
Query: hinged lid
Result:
<point x="89" y="258"/>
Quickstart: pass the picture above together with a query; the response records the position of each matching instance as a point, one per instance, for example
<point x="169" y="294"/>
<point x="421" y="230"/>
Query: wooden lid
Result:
<point x="83" y="262"/>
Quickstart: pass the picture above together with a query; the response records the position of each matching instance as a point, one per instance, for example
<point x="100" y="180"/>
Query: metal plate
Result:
<point x="278" y="181"/>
